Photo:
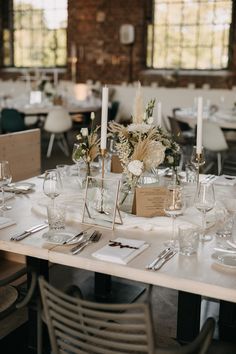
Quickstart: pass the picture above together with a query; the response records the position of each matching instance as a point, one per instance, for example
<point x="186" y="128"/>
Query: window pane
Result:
<point x="187" y="34"/>
<point x="40" y="32"/>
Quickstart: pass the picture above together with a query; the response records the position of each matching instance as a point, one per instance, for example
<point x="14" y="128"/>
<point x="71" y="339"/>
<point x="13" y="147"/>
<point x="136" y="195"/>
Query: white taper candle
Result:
<point x="104" y="118"/>
<point x="159" y="114"/>
<point x="199" y="125"/>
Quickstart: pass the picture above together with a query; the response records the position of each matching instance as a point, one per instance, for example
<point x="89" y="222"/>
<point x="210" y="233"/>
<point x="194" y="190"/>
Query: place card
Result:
<point x="149" y="201"/>
<point x="115" y="164"/>
<point x="101" y="202"/>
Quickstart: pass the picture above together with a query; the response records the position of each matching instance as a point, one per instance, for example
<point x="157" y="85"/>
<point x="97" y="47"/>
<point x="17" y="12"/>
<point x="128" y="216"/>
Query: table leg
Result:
<point x="188" y="318"/>
<point x="227" y="321"/>
<point x="40" y="267"/>
<point x="102" y="288"/>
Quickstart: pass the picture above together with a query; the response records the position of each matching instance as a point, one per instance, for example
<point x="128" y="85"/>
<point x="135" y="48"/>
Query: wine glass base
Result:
<point x="204" y="238"/>
<point x="173" y="244"/>
<point x="6" y="207"/>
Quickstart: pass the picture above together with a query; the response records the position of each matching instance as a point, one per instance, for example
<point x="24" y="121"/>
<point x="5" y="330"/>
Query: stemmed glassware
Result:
<point x="76" y="155"/>
<point x="173" y="207"/>
<point x="204" y="201"/>
<point x="52" y="185"/>
<point x="5" y="178"/>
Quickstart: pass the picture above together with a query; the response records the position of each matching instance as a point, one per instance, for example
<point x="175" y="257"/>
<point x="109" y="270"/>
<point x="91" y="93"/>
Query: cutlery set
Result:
<point x="161" y="259"/>
<point x="83" y="240"/>
<point x="94" y="237"/>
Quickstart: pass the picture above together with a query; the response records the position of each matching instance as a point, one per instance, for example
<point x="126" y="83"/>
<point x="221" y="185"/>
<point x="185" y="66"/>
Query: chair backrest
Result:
<point x="80" y="326"/>
<point x="213" y="138"/>
<point x="12" y="120"/>
<point x="113" y="110"/>
<point x="58" y="120"/>
<point x="176" y="130"/>
<point x="23" y="151"/>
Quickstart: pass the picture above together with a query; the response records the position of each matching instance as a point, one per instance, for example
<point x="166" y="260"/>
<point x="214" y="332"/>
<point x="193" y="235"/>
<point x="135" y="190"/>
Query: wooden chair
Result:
<point x="79" y="326"/>
<point x="23" y="151"/>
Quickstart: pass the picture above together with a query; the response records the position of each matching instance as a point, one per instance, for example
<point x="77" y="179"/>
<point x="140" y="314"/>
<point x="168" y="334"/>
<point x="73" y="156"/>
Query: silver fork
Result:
<point x="95" y="237"/>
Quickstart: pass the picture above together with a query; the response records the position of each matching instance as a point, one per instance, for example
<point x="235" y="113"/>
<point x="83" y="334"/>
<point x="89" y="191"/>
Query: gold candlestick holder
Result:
<point x="103" y="154"/>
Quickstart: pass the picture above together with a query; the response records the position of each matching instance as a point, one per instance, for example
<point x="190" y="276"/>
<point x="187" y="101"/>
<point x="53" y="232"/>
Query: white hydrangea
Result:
<point x="136" y="167"/>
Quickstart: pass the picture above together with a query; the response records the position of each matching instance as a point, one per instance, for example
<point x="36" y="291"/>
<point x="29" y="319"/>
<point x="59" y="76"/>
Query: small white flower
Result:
<point x="78" y="136"/>
<point x="170" y="159"/>
<point x="92" y="116"/>
<point x="84" y="131"/>
<point x="150" y="120"/>
<point x="135" y="167"/>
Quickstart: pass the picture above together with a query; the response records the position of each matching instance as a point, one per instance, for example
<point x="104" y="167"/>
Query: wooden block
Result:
<point x="116" y="165"/>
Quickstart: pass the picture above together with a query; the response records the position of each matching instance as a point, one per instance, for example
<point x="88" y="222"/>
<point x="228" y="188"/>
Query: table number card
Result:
<point x="149" y="201"/>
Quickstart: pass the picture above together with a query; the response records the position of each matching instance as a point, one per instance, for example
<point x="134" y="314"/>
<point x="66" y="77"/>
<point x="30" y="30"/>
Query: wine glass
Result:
<point x="76" y="155"/>
<point x="52" y="185"/>
<point x="173" y="207"/>
<point x="5" y="178"/>
<point x="204" y="201"/>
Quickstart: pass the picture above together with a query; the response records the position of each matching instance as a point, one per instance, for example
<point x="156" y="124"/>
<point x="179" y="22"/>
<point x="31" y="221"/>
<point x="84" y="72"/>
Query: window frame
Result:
<point x="232" y="39"/>
<point x="9" y="18"/>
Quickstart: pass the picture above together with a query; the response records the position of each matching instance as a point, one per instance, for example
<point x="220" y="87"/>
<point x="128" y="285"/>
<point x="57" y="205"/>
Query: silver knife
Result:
<point x="159" y="257"/>
<point x="81" y="234"/>
<point x="164" y="260"/>
<point x="28" y="232"/>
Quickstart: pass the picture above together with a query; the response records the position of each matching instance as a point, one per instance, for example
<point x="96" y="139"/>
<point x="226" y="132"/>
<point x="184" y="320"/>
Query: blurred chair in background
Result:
<point x="58" y="122"/>
<point x="12" y="121"/>
<point x="213" y="140"/>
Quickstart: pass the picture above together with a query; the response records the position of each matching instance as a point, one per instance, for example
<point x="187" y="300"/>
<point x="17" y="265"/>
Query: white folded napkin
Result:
<point x="120" y="255"/>
<point x="225" y="180"/>
<point x="5" y="222"/>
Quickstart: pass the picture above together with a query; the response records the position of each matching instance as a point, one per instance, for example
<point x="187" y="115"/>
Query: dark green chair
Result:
<point x="113" y="110"/>
<point x="12" y="121"/>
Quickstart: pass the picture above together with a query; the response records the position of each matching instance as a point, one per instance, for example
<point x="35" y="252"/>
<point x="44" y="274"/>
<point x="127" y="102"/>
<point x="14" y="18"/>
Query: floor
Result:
<point x="164" y="301"/>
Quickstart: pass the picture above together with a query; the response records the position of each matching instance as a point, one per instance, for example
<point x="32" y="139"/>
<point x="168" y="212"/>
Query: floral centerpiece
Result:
<point x="87" y="147"/>
<point x="142" y="145"/>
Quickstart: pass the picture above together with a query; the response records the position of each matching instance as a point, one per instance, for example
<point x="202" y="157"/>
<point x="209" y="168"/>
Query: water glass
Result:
<point x="56" y="217"/>
<point x="188" y="237"/>
<point x="191" y="173"/>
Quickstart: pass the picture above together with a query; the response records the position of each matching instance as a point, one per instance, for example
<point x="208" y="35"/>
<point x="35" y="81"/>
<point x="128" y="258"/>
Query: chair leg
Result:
<point x="62" y="143"/>
<point x="219" y="162"/>
<point x="52" y="137"/>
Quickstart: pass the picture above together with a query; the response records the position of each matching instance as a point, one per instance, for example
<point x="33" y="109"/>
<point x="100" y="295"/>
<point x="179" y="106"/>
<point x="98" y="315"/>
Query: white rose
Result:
<point x="84" y="131"/>
<point x="92" y="116"/>
<point x="135" y="167"/>
<point x="150" y="120"/>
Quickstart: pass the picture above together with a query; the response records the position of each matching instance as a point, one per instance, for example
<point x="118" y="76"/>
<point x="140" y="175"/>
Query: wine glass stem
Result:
<point x="203" y="224"/>
<point x="3" y="198"/>
<point x="173" y="228"/>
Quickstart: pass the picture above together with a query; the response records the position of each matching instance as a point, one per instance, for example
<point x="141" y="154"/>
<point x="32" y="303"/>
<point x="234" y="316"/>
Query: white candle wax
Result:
<point x="104" y="118"/>
<point x="199" y="125"/>
<point x="55" y="77"/>
<point x="159" y="114"/>
<point x="73" y="53"/>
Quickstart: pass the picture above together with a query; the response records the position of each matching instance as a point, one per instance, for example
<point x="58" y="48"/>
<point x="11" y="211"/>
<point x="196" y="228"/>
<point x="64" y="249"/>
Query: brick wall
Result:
<point x="94" y="28"/>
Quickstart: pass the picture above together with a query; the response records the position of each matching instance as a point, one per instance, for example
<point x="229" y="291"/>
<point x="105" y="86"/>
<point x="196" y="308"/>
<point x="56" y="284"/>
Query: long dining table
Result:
<point x="226" y="118"/>
<point x="193" y="277"/>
